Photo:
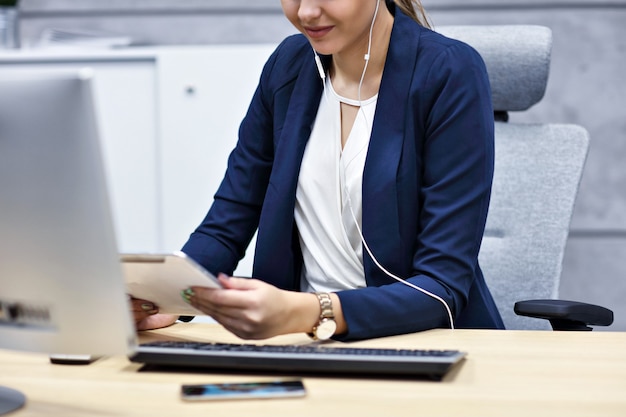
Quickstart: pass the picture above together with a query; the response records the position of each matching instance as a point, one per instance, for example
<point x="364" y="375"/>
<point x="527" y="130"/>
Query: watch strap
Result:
<point x="326" y="306"/>
<point x="326" y="313"/>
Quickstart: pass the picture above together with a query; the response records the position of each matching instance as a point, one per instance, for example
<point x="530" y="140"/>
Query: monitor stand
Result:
<point x="10" y="400"/>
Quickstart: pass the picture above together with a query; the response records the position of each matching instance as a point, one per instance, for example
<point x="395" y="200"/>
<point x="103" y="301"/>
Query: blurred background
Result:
<point x="587" y="86"/>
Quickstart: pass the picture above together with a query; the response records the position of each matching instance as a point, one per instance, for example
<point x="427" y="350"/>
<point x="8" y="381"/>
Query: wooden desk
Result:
<point x="506" y="373"/>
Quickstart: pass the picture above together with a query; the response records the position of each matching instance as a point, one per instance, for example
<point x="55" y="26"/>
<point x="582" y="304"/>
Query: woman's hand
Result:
<point x="253" y="309"/>
<point x="147" y="315"/>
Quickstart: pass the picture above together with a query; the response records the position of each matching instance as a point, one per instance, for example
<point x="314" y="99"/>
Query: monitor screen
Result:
<point x="61" y="284"/>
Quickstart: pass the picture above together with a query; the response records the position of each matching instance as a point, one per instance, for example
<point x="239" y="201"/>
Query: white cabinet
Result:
<point x="168" y="118"/>
<point x="203" y="95"/>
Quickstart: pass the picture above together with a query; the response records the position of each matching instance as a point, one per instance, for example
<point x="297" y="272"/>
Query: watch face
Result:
<point x="325" y="329"/>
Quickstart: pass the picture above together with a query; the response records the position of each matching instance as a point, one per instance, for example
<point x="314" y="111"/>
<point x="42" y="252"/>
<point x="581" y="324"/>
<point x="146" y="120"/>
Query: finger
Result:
<point x="224" y="280"/>
<point x="235" y="283"/>
<point x="143" y="306"/>
<point x="236" y="292"/>
<point x="156" y="321"/>
<point x="219" y="312"/>
<point x="215" y="310"/>
<point x="220" y="298"/>
<point x="142" y="310"/>
<point x="197" y="298"/>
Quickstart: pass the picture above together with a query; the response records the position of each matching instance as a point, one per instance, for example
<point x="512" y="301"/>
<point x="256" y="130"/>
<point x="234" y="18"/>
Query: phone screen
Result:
<point x="241" y="390"/>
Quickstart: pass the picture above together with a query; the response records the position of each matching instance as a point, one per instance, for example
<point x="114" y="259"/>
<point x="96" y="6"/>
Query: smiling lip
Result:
<point x="316" y="32"/>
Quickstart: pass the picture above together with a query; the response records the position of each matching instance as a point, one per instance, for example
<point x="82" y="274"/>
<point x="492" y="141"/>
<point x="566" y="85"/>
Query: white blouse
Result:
<point x="329" y="238"/>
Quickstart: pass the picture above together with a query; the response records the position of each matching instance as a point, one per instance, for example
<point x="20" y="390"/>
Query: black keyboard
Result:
<point x="310" y="359"/>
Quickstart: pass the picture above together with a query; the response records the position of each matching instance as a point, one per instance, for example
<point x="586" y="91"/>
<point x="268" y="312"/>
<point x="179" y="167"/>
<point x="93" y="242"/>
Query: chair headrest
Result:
<point x="517" y="59"/>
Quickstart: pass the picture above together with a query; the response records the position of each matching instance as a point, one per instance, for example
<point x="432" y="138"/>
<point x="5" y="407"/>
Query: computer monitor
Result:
<point x="61" y="284"/>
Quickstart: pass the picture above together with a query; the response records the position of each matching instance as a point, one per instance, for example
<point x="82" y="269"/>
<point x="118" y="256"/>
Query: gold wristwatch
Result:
<point x="326" y="326"/>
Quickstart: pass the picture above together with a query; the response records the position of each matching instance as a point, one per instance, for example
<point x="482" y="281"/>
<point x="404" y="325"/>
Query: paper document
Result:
<point x="160" y="278"/>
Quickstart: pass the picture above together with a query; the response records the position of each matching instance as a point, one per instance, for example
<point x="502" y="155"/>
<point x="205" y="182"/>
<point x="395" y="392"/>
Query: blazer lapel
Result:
<point x="381" y="225"/>
<point x="277" y="225"/>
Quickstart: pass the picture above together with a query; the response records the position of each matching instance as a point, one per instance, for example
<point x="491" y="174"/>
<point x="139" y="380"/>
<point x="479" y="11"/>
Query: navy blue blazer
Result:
<point x="426" y="184"/>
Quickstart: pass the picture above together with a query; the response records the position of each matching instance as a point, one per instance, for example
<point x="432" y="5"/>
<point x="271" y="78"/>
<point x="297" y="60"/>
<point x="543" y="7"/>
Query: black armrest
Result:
<point x="565" y="315"/>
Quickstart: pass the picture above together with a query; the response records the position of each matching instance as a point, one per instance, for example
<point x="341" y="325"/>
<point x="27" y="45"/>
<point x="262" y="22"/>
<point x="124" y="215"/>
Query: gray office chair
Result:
<point x="537" y="172"/>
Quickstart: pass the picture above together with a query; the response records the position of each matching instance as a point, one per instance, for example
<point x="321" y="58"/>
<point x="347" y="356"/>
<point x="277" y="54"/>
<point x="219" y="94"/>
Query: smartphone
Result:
<point x="244" y="390"/>
<point x="62" y="359"/>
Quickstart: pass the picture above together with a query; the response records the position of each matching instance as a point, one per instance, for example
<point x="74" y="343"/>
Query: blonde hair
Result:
<point x="414" y="9"/>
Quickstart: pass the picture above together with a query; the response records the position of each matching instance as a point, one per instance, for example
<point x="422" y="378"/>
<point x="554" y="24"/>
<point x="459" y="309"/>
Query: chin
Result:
<point x="323" y="48"/>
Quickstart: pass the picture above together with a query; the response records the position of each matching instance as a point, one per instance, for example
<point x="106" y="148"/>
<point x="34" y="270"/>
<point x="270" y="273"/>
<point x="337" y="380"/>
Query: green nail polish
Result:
<point x="187" y="294"/>
<point x="147" y="307"/>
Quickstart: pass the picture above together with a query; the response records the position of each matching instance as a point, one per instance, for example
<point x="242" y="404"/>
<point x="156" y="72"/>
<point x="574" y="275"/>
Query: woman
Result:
<point x="365" y="161"/>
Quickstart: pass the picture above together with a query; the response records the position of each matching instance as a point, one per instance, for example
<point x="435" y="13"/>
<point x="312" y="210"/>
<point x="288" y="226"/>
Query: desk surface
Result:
<point x="526" y="373"/>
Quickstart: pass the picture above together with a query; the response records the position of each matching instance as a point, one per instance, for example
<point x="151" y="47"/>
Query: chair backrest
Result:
<point x="537" y="171"/>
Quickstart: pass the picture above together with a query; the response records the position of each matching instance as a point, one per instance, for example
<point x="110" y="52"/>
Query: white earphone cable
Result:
<point x="367" y="60"/>
<point x="345" y="188"/>
<point x="346" y="192"/>
<point x="395" y="277"/>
